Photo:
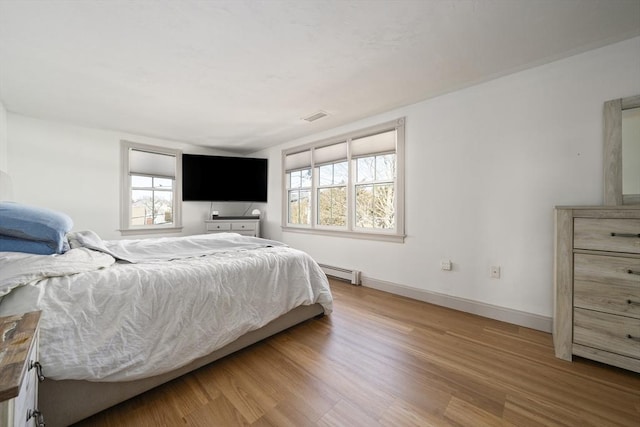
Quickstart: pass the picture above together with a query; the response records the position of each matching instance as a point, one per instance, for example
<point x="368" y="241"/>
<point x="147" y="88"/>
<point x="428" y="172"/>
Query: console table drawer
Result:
<point x="607" y="283"/>
<point x="236" y="226"/>
<point x="218" y="226"/>
<point x="616" y="334"/>
<point x="246" y="226"/>
<point x="613" y="235"/>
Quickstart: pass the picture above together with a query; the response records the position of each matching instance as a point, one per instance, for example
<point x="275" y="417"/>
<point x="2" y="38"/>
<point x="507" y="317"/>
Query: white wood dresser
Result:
<point x="597" y="284"/>
<point x="245" y="225"/>
<point x="20" y="371"/>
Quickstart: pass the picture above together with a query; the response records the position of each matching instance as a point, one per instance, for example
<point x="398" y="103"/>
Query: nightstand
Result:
<point x="20" y="370"/>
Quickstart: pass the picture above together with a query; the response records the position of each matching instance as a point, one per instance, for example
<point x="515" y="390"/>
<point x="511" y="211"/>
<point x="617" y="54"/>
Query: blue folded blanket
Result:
<point x="32" y="229"/>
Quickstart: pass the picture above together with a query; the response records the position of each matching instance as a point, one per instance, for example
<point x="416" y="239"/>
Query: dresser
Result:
<point x="20" y="371"/>
<point x="597" y="284"/>
<point x="245" y="225"/>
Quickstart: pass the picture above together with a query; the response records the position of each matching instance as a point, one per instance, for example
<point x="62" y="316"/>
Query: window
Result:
<point x="348" y="185"/>
<point x="375" y="176"/>
<point x="332" y="194"/>
<point x="298" y="186"/>
<point x="151" y="186"/>
<point x="299" y="196"/>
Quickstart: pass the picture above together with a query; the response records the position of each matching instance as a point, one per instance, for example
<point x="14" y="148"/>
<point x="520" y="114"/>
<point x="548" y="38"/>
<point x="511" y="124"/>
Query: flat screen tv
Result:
<point x="223" y="179"/>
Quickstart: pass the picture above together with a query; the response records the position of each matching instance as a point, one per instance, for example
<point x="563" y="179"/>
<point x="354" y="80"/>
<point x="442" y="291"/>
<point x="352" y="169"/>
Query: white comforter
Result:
<point x="106" y="321"/>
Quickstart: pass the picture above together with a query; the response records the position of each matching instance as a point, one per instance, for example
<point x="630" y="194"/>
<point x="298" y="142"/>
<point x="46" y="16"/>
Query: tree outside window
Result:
<point x="332" y="194"/>
<point x="375" y="191"/>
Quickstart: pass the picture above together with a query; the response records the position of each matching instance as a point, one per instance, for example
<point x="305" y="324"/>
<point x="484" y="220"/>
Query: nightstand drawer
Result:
<point x="218" y="226"/>
<point x="606" y="283"/>
<point x="616" y="334"/>
<point x="612" y="235"/>
<point x="27" y="401"/>
<point x="19" y="370"/>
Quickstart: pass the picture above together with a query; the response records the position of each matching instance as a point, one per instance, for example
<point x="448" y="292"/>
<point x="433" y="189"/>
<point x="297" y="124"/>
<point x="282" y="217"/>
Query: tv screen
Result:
<point x="223" y="179"/>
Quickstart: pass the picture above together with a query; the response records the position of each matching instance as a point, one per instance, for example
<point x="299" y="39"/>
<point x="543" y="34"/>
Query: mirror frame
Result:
<point x="613" y="149"/>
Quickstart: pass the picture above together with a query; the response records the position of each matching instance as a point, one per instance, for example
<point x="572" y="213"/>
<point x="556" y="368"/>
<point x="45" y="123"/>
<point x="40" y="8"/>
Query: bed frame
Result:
<point x="68" y="401"/>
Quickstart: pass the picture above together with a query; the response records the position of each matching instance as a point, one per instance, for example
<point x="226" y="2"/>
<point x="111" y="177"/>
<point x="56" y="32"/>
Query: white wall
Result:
<point x="3" y="137"/>
<point x="484" y="168"/>
<point x="77" y="170"/>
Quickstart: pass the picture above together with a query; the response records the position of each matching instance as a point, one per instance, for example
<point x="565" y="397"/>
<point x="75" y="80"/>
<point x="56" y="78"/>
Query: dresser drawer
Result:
<point x="616" y="334"/>
<point x="607" y="283"/>
<point x="237" y="226"/>
<point x="613" y="235"/>
<point x="218" y="226"/>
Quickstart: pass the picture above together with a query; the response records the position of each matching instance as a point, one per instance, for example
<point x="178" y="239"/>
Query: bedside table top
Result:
<point x="16" y="338"/>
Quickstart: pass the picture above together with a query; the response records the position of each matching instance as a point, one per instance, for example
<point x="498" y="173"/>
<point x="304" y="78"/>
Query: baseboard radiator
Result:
<point x="352" y="276"/>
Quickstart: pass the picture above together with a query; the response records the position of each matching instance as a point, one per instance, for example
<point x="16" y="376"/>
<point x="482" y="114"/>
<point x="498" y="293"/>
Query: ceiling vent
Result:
<point x="315" y="116"/>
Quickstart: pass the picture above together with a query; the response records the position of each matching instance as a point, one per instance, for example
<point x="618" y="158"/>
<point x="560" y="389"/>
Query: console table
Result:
<point x="245" y="225"/>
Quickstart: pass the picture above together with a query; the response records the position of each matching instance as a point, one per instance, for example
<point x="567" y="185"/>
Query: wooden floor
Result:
<point x="384" y="360"/>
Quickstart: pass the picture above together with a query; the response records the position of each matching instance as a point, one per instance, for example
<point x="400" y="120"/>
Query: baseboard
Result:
<point x="516" y="317"/>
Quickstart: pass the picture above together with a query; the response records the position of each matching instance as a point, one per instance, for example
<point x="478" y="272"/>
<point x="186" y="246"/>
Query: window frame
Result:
<point x="126" y="228"/>
<point x="350" y="230"/>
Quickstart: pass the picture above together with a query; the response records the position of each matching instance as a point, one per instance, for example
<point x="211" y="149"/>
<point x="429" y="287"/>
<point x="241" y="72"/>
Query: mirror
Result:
<point x="622" y="151"/>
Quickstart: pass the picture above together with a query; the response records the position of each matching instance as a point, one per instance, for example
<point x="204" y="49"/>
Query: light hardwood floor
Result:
<point x="385" y="360"/>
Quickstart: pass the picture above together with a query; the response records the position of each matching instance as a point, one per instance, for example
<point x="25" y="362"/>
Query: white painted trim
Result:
<point x="395" y="238"/>
<point x="516" y="317"/>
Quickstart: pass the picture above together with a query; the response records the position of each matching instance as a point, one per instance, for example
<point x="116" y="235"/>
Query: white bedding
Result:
<point x="121" y="321"/>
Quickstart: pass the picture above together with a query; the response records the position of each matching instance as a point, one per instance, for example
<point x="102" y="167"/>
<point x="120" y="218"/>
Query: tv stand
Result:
<point x="245" y="225"/>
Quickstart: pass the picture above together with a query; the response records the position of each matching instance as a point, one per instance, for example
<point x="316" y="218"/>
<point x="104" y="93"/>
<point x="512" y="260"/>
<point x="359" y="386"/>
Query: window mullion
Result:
<point x="313" y="196"/>
<point x="351" y="205"/>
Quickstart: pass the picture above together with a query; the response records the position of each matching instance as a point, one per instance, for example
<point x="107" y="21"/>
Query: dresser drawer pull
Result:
<point x="37" y="415"/>
<point x="38" y="367"/>
<point x="632" y="235"/>
<point x="633" y="272"/>
<point x="631" y="302"/>
<point x="631" y="337"/>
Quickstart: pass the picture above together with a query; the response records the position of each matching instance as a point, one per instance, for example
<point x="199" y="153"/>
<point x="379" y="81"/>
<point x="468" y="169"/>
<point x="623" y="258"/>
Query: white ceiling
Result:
<point x="240" y="75"/>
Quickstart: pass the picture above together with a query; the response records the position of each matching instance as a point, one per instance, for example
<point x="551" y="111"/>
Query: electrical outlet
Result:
<point x="494" y="272"/>
<point x="445" y="265"/>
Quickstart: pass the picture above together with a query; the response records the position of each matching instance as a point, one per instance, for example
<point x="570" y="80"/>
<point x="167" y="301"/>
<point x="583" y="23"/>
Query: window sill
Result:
<point x="394" y="238"/>
<point x="146" y="231"/>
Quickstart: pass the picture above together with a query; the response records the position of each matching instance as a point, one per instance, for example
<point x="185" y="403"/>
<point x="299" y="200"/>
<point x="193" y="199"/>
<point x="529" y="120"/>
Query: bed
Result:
<point x="121" y="317"/>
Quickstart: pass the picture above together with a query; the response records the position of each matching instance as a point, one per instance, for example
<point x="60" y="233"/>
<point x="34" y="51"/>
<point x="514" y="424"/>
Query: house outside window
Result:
<point x="151" y="200"/>
<point x="351" y="185"/>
